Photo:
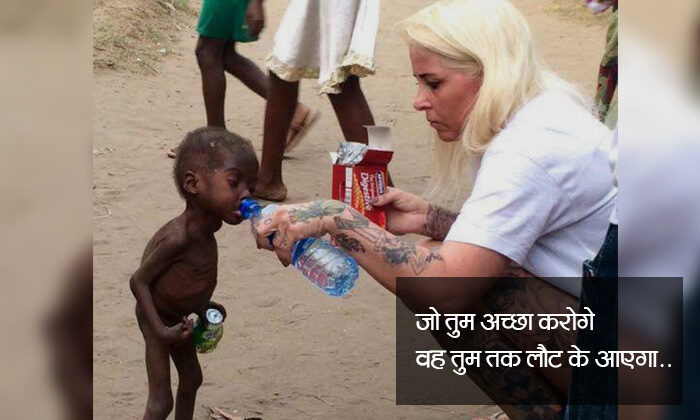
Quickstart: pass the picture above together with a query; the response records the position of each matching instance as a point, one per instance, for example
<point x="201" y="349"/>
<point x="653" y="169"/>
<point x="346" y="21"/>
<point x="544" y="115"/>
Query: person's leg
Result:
<point x="522" y="293"/>
<point x="353" y="113"/>
<point x="281" y="104"/>
<point x="352" y="110"/>
<point x="210" y="57"/>
<point x="160" y="397"/>
<point x="245" y="70"/>
<point x="508" y="387"/>
<point x="530" y="295"/>
<point x="190" y="379"/>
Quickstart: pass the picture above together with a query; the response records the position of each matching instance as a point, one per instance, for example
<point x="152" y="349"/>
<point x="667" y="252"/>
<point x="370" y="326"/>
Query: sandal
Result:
<point x="300" y="126"/>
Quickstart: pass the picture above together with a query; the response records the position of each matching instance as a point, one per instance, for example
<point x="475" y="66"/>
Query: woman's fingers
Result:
<point x="390" y="196"/>
<point x="283" y="248"/>
<point x="263" y="229"/>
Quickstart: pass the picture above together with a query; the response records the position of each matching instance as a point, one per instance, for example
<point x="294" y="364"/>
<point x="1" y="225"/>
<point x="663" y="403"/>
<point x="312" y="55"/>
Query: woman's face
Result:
<point x="446" y="95"/>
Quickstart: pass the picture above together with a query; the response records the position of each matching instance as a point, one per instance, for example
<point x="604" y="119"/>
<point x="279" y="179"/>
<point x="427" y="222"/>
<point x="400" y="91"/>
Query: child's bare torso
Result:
<point x="188" y="284"/>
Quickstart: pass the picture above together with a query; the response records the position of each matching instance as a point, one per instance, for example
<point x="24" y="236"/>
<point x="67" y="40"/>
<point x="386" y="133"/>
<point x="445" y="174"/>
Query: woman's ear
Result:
<point x="190" y="183"/>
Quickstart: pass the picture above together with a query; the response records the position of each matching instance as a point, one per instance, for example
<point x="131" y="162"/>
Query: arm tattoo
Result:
<point x="318" y="208"/>
<point x="422" y="264"/>
<point x="348" y="243"/>
<point x="395" y="251"/>
<point x="438" y="222"/>
<point x="357" y="221"/>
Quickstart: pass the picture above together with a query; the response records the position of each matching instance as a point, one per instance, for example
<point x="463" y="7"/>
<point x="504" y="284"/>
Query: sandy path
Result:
<point x="288" y="352"/>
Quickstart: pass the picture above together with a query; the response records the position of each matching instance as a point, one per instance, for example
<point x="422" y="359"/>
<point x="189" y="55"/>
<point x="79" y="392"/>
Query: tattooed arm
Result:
<point x="386" y="257"/>
<point x="383" y="255"/>
<point x="438" y="222"/>
<point x="408" y="213"/>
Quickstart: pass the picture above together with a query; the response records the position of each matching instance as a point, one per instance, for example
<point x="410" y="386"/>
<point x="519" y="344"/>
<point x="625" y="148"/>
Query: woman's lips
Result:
<point x="436" y="125"/>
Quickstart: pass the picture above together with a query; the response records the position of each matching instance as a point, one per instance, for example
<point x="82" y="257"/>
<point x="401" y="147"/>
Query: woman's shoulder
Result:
<point x="552" y="125"/>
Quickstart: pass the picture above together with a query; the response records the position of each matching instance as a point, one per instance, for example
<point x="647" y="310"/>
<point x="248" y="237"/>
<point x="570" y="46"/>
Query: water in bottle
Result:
<point x="328" y="267"/>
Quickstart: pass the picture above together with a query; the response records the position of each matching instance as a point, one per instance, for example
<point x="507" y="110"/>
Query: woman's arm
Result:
<point x="438" y="222"/>
<point x="383" y="255"/>
<point x="386" y="257"/>
<point x="408" y="213"/>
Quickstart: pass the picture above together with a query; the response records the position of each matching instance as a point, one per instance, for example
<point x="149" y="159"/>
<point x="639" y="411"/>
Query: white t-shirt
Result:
<point x="542" y="195"/>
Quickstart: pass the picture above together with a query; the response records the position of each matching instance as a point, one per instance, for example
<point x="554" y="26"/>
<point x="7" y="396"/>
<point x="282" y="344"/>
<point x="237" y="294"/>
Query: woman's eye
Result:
<point x="433" y="85"/>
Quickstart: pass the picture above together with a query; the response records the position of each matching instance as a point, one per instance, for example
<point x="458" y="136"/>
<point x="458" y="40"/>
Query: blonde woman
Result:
<point x="541" y="195"/>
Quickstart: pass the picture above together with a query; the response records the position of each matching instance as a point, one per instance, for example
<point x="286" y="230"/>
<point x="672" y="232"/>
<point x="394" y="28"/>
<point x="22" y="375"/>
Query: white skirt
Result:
<point x="327" y="40"/>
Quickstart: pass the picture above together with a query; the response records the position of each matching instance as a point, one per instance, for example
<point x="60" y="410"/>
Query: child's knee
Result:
<point x="159" y="406"/>
<point x="192" y="380"/>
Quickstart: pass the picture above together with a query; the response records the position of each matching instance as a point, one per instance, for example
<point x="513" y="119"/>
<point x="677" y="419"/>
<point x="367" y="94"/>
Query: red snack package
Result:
<point x="360" y="175"/>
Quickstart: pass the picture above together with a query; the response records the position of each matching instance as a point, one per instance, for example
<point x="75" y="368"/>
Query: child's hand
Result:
<point x="219" y="307"/>
<point x="178" y="333"/>
<point x="255" y="18"/>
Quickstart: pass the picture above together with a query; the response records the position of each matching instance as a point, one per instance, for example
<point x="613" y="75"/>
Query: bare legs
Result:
<point x="351" y="109"/>
<point x="160" y="397"/>
<point x="278" y="118"/>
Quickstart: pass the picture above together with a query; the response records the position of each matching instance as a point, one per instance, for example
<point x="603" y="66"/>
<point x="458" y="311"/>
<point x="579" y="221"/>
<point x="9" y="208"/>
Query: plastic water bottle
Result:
<point x="328" y="267"/>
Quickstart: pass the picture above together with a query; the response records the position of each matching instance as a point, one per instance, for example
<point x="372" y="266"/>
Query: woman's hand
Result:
<point x="292" y="223"/>
<point x="405" y="212"/>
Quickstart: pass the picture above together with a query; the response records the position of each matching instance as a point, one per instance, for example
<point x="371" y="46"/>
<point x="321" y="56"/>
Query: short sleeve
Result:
<point x="509" y="207"/>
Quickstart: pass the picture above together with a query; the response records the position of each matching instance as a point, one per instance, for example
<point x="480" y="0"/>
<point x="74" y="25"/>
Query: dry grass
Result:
<point x="131" y="35"/>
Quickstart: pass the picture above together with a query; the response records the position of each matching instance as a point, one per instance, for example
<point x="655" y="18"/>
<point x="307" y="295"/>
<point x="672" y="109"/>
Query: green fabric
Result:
<point x="224" y="19"/>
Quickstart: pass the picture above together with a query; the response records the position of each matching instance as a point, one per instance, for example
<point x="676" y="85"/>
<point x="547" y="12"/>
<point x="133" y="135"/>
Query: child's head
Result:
<point x="215" y="170"/>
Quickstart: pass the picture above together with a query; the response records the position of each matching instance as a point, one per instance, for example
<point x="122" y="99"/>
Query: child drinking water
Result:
<point x="214" y="170"/>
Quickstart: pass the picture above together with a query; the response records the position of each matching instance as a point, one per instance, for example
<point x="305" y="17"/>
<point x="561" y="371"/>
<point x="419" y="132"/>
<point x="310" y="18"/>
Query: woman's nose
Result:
<point x="420" y="103"/>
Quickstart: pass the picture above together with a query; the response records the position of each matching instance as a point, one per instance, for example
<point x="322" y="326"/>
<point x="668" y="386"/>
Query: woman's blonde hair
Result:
<point x="491" y="40"/>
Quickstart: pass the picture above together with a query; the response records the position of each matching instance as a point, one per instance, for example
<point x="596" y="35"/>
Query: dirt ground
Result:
<point x="289" y="352"/>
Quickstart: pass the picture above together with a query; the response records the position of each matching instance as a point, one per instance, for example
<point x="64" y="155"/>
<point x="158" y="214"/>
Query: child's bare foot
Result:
<point x="302" y="121"/>
<point x="270" y="192"/>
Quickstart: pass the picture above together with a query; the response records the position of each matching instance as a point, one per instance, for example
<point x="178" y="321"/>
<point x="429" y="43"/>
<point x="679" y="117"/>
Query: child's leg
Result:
<point x="160" y="397"/>
<point x="245" y="70"/>
<point x="352" y="110"/>
<point x="210" y="57"/>
<point x="281" y="103"/>
<point x="190" y="375"/>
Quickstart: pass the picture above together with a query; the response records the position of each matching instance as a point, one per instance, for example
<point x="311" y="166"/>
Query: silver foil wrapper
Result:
<point x="351" y="153"/>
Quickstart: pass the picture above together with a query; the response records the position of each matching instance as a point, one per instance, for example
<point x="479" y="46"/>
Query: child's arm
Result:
<point x="161" y="257"/>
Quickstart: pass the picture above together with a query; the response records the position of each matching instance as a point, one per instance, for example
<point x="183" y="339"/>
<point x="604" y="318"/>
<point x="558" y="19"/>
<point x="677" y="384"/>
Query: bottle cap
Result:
<point x="249" y="208"/>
